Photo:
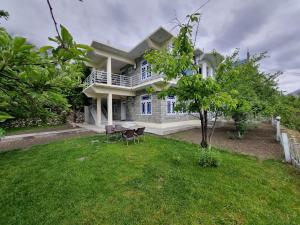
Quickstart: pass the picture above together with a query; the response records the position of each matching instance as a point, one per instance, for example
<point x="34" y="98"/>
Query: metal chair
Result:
<point x="109" y="131"/>
<point x="129" y="135"/>
<point x="140" y="132"/>
<point x="118" y="127"/>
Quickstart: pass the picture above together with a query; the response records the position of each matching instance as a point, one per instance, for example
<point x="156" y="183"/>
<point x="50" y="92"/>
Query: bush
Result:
<point x="208" y="159"/>
<point x="2" y="132"/>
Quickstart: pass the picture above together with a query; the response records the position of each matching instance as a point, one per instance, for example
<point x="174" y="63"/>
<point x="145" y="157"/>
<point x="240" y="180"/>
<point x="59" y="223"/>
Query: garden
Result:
<point x="86" y="181"/>
<point x="192" y="177"/>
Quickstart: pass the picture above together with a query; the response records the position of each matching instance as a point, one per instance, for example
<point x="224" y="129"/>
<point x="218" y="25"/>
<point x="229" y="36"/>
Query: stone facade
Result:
<point x="159" y="114"/>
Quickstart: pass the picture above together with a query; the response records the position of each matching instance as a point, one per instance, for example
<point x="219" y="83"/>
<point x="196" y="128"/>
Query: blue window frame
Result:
<point x="146" y="104"/>
<point x="145" y="70"/>
<point x="171" y="102"/>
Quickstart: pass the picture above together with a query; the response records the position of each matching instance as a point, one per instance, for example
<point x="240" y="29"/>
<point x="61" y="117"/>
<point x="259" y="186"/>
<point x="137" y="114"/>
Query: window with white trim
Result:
<point x="145" y="70"/>
<point x="146" y="104"/>
<point x="171" y="102"/>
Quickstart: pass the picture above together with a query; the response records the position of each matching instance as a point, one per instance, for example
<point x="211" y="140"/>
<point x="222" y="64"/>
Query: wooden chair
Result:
<point x="140" y="132"/>
<point x="128" y="135"/>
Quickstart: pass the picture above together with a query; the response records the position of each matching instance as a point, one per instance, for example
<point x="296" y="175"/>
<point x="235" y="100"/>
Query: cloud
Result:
<point x="255" y="24"/>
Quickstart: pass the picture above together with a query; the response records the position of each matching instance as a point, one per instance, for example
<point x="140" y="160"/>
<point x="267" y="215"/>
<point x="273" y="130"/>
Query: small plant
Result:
<point x="208" y="158"/>
<point x="2" y="132"/>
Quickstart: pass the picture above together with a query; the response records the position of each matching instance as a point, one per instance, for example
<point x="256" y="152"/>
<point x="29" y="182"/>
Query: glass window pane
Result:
<point x="148" y="107"/>
<point x="168" y="107"/>
<point x="143" y="107"/>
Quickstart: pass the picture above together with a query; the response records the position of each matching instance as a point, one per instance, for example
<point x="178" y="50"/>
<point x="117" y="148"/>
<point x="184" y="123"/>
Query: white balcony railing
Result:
<point x="100" y="77"/>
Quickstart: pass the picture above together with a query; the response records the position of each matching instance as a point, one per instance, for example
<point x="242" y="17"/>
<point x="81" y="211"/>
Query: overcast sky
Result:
<point x="257" y="25"/>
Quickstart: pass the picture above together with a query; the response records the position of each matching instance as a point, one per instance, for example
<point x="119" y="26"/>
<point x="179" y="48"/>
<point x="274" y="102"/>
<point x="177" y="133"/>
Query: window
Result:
<point x="171" y="102"/>
<point x="200" y="69"/>
<point x="170" y="46"/>
<point x="146" y="105"/>
<point x="145" y="70"/>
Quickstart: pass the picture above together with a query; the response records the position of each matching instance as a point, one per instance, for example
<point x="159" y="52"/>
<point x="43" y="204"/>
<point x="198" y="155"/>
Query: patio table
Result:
<point x="120" y="130"/>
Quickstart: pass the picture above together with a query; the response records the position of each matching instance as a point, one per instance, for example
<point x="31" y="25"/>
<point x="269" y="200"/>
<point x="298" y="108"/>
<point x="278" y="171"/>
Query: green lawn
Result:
<point x="77" y="181"/>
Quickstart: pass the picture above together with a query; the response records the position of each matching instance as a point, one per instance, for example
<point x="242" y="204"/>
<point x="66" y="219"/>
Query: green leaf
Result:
<point x="86" y="47"/>
<point x="45" y="48"/>
<point x="18" y="42"/>
<point x="65" y="35"/>
<point x="54" y="40"/>
<point x="4" y="116"/>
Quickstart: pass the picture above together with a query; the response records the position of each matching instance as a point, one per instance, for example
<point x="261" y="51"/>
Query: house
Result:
<point x="118" y="82"/>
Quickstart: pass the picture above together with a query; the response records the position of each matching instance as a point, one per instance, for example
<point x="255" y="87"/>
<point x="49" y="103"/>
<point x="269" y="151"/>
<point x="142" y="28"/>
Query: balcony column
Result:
<point x="98" y="112"/>
<point x="108" y="70"/>
<point x="204" y="69"/>
<point x="109" y="109"/>
<point x="211" y="72"/>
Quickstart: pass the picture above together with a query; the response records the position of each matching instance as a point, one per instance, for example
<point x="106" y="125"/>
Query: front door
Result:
<point x="123" y="110"/>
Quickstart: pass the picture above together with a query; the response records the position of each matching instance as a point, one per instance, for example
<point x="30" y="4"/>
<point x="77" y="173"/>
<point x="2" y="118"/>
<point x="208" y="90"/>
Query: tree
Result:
<point x="35" y="82"/>
<point x="254" y="91"/>
<point x="194" y="93"/>
<point x="288" y="108"/>
<point x="4" y="14"/>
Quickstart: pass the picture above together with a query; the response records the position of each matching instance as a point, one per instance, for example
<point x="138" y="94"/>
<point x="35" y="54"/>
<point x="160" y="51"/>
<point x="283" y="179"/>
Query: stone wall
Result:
<point x="174" y="117"/>
<point x="32" y="122"/>
<point x="159" y="114"/>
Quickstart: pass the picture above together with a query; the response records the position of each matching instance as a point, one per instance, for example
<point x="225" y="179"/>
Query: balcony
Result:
<point x="100" y="77"/>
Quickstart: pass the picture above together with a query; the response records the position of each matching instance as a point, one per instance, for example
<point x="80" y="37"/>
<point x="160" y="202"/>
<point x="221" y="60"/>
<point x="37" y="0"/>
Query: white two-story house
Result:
<point x="118" y="83"/>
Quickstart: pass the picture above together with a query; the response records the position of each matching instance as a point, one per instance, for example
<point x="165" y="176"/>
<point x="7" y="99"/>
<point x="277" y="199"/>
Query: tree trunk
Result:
<point x="203" y="118"/>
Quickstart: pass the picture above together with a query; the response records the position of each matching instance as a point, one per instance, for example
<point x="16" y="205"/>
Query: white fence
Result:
<point x="289" y="143"/>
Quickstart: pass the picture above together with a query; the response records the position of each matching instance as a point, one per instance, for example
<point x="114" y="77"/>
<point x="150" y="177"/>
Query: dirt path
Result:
<point x="259" y="142"/>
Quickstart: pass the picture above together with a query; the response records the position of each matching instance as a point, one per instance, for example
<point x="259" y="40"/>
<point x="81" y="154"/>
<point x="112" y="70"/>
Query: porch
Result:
<point x="154" y="128"/>
<point x="106" y="110"/>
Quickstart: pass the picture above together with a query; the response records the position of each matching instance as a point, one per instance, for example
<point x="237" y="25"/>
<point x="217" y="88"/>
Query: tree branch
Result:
<point x="213" y="129"/>
<point x="54" y="21"/>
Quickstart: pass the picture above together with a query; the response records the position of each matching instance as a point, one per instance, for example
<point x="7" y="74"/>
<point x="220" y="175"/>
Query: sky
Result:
<point x="257" y="25"/>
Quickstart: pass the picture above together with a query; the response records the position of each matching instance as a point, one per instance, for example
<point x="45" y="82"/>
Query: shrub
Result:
<point x="2" y="132"/>
<point x="208" y="158"/>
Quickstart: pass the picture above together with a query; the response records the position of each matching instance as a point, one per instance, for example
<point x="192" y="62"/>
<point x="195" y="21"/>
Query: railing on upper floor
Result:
<point x="100" y="77"/>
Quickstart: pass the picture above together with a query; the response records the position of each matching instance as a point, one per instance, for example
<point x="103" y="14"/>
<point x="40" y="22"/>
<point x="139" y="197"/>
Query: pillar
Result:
<point x="98" y="115"/>
<point x="211" y="71"/>
<point x="278" y="128"/>
<point x="109" y="109"/>
<point x="108" y="70"/>
<point x="204" y="69"/>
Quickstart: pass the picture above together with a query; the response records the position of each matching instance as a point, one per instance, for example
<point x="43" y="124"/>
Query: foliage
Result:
<point x="194" y="93"/>
<point x="2" y="132"/>
<point x="35" y="82"/>
<point x="254" y="91"/>
<point x="142" y="185"/>
<point x="288" y="108"/>
<point x="208" y="158"/>
<point x="4" y="14"/>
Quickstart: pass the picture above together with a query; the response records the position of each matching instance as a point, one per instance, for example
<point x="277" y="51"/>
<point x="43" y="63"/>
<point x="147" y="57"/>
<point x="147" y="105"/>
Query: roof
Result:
<point x="159" y="36"/>
<point x="295" y="93"/>
<point x="212" y="58"/>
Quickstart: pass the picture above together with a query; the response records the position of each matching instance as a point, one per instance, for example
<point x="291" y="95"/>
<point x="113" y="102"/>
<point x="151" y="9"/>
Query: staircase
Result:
<point x="93" y="112"/>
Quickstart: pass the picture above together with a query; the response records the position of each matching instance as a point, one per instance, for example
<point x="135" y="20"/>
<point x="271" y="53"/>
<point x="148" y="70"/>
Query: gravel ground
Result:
<point x="259" y="141"/>
<point x="25" y="144"/>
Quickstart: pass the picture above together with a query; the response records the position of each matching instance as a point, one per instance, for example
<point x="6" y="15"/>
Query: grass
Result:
<point x="79" y="181"/>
